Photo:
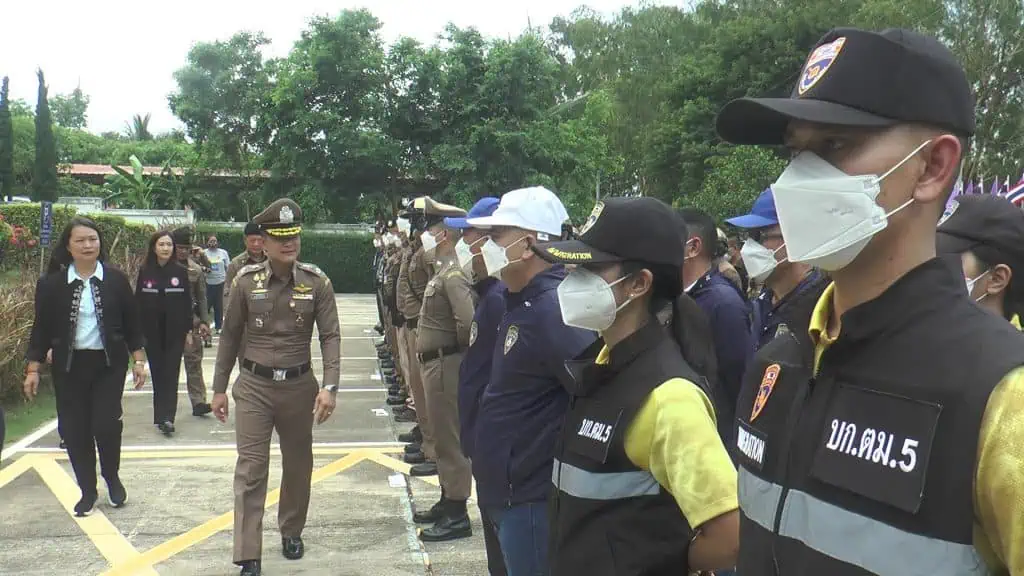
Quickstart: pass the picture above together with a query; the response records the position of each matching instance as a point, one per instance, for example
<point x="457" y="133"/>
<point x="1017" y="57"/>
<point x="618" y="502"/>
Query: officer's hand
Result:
<point x="139" y="374"/>
<point x="220" y="406"/>
<point x="204" y="331"/>
<point x="324" y="406"/>
<point x="188" y="340"/>
<point x="31" y="385"/>
<point x="49" y="356"/>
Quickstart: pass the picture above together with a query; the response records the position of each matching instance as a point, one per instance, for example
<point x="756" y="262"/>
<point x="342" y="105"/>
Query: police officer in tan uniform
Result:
<point x="253" y="255"/>
<point x="193" y="354"/>
<point x="443" y="335"/>
<point x="274" y="305"/>
<point x="412" y="282"/>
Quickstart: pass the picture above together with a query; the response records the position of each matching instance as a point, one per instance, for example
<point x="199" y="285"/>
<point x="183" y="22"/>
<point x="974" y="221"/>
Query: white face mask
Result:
<point x="758" y="260"/>
<point x="464" y="253"/>
<point x="496" y="257"/>
<point x="587" y="301"/>
<point x="376" y="243"/>
<point x="429" y="242"/>
<point x="828" y="216"/>
<point x="971" y="282"/>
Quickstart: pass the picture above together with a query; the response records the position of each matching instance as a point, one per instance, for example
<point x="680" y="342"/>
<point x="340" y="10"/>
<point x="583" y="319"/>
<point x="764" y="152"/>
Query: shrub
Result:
<point x="346" y="257"/>
<point x="16" y="312"/>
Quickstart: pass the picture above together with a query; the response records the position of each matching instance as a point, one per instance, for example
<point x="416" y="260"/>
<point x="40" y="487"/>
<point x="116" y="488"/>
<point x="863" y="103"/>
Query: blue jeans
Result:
<point x="523" y="535"/>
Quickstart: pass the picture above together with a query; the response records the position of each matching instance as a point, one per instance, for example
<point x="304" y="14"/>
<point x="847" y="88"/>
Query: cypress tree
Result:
<point x="6" y="145"/>
<point x="44" y="177"/>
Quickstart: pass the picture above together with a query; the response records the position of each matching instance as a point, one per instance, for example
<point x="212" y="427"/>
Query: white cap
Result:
<point x="536" y="209"/>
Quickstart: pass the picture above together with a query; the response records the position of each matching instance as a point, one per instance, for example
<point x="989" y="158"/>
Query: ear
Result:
<point x="694" y="247"/>
<point x="641" y="283"/>
<point x="942" y="163"/>
<point x="998" y="279"/>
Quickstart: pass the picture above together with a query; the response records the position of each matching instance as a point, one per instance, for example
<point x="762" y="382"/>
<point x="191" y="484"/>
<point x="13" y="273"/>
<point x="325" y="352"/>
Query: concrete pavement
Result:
<point x="179" y="514"/>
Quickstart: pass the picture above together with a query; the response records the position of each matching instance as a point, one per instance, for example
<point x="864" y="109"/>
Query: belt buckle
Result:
<point x="280" y="375"/>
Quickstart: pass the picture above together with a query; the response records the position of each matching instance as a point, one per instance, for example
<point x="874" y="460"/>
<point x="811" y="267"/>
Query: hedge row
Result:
<point x="346" y="257"/>
<point x="117" y="232"/>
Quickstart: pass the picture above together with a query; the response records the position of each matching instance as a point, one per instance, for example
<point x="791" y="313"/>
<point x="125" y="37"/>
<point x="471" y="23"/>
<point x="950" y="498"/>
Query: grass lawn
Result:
<point x="22" y="419"/>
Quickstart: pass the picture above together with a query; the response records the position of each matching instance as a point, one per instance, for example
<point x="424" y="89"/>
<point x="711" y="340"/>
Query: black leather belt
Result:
<point x="435" y="354"/>
<point x="275" y="374"/>
<point x="412" y="322"/>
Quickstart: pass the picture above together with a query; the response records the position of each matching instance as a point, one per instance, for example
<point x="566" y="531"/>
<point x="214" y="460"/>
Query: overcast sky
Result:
<point x="123" y="53"/>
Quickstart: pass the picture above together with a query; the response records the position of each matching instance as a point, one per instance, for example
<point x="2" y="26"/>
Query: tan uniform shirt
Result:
<point x="237" y="263"/>
<point x="197" y="281"/>
<point x="275" y="317"/>
<point x="390" y="273"/>
<point x="417" y="275"/>
<point x="447" y="314"/>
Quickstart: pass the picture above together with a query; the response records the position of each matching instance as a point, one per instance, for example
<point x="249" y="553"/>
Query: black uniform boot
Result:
<point x="431" y="515"/>
<point x="453" y="524"/>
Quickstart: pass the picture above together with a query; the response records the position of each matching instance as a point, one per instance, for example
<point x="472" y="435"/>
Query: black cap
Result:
<point x="860" y="78"/>
<point x="619" y="229"/>
<point x="252" y="229"/>
<point x="990" y="226"/>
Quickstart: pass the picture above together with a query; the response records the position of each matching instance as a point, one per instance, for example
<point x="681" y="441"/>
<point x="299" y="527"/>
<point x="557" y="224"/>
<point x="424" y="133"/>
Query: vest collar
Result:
<point x="930" y="286"/>
<point x="596" y="366"/>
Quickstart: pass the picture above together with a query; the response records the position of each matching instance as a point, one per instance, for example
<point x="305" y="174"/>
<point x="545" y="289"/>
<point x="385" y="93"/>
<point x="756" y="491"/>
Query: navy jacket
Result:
<point x="729" y="315"/>
<point x="475" y="370"/>
<point x="767" y="317"/>
<point x="522" y="409"/>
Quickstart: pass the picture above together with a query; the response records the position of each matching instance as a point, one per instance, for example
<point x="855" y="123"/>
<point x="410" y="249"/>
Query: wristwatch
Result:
<point x="332" y="388"/>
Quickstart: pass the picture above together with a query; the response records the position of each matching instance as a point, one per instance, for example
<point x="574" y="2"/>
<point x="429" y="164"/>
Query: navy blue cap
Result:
<point x="762" y="213"/>
<point x="483" y="207"/>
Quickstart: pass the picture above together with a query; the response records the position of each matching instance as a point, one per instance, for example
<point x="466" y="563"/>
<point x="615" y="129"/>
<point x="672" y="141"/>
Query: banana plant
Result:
<point x="133" y="188"/>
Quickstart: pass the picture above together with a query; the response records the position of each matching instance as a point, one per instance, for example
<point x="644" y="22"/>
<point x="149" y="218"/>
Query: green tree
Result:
<point x="70" y="110"/>
<point x="6" y="144"/>
<point x="222" y="94"/>
<point x="44" y="176"/>
<point x="138" y="128"/>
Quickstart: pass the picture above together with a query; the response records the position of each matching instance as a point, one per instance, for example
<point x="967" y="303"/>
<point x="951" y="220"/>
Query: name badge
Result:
<point x="151" y="290"/>
<point x="169" y="290"/>
<point x="750" y="444"/>
<point x="594" y="431"/>
<point x="877" y="445"/>
<point x="258" y="296"/>
<point x="302" y="296"/>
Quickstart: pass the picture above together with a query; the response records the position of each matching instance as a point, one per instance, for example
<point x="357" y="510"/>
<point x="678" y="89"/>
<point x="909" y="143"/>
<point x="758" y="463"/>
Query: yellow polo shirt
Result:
<point x="674" y="437"/>
<point x="999" y="473"/>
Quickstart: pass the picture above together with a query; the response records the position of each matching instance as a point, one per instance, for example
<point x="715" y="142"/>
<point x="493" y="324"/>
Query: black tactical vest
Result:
<point x="868" y="466"/>
<point x="607" y="515"/>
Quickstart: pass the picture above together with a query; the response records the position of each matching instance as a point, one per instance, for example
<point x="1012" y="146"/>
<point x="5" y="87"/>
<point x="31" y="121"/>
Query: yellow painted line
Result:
<point x="224" y="453"/>
<point x="399" y="466"/>
<point x="16" y="468"/>
<point x="104" y="535"/>
<point x="204" y="531"/>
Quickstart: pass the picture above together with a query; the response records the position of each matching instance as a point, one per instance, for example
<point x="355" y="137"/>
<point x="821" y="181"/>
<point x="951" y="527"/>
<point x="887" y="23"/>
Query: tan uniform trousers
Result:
<point x="193" y="358"/>
<point x="441" y="383"/>
<point x="262" y="405"/>
<point x="402" y="359"/>
<point x="415" y="378"/>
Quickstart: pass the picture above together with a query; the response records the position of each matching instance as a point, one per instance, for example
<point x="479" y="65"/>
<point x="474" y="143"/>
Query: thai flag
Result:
<point x="1016" y="193"/>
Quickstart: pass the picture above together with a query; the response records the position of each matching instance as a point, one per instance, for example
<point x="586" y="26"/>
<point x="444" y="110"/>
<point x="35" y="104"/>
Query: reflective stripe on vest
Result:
<point x="580" y="483"/>
<point x="852" y="538"/>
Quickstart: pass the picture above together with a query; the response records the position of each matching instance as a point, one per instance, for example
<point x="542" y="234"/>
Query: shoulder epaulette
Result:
<point x="250" y="269"/>
<point x="311" y="268"/>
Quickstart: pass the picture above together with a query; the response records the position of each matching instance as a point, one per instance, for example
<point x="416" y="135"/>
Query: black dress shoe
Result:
<point x="430" y="515"/>
<point x="427" y="468"/>
<point x="414" y="458"/>
<point x="292" y="547"/>
<point x="86" y="505"/>
<point x="250" y="568"/>
<point x="379" y="329"/>
<point x="201" y="409"/>
<point x="382" y="354"/>
<point x="387" y="364"/>
<point x="448" y="528"/>
<point x="405" y="415"/>
<point x="412" y="436"/>
<point x="397" y="400"/>
<point x="413" y="448"/>
<point x="166" y="428"/>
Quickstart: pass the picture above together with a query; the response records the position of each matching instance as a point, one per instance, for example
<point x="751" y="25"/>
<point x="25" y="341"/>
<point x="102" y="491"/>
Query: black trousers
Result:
<point x="89" y="415"/>
<point x="165" y="368"/>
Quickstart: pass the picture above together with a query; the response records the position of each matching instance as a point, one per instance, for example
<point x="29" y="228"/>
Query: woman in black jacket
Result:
<point x="165" y="302"/>
<point x="86" y="313"/>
